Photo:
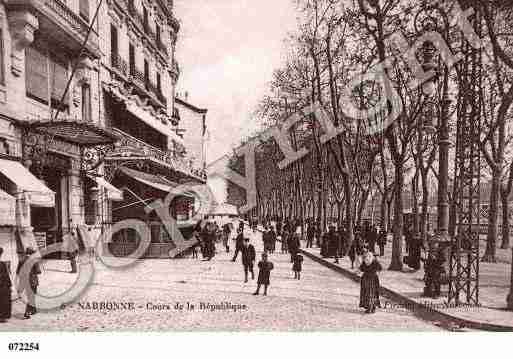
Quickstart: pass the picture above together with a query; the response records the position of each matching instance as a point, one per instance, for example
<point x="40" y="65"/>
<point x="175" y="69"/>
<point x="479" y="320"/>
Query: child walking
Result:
<point x="369" y="290"/>
<point x="264" y="273"/>
<point x="297" y="266"/>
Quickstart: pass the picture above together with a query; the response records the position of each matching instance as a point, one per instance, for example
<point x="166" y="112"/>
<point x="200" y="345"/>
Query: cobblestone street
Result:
<point x="322" y="300"/>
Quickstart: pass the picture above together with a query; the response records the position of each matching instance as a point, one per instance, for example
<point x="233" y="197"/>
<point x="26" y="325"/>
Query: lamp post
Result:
<point x="430" y="23"/>
<point x="427" y="19"/>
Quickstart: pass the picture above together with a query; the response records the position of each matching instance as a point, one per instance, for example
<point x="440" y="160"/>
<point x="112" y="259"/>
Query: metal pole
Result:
<point x="443" y="186"/>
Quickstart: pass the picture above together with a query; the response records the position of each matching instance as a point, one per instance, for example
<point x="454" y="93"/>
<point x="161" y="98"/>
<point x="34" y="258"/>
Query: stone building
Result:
<point x="192" y="128"/>
<point x="87" y="128"/>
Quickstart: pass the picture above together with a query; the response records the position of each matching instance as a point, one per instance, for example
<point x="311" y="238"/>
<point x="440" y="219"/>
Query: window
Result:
<point x="86" y="103"/>
<point x="131" y="58"/>
<point x="159" y="83"/>
<point x="113" y="44"/>
<point x="145" y="19"/>
<point x="84" y="10"/>
<point x="2" y="70"/>
<point x="146" y="72"/>
<point x="46" y="76"/>
<point x="157" y="27"/>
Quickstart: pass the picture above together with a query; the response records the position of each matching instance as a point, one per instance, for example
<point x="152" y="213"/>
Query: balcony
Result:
<point x="118" y="63"/>
<point x="168" y="158"/>
<point x="60" y="23"/>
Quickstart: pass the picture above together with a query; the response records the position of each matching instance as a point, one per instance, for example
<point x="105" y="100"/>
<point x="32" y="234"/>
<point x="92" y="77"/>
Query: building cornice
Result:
<point x="191" y="107"/>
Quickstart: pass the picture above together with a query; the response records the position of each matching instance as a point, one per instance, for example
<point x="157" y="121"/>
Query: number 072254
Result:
<point x="23" y="347"/>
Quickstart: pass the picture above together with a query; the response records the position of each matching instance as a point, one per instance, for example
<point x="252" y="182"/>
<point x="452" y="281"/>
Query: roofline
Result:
<point x="191" y="107"/>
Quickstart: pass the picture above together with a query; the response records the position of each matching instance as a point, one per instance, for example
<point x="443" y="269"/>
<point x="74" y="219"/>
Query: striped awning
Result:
<point x="154" y="181"/>
<point x="7" y="209"/>
<point x="37" y="192"/>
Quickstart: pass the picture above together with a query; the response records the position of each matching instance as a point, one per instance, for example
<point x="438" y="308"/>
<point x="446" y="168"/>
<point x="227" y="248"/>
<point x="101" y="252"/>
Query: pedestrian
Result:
<point x="248" y="259"/>
<point x="239" y="243"/>
<point x="297" y="266"/>
<point x="310" y="234"/>
<point x="414" y="254"/>
<point x="434" y="270"/>
<point x="272" y="240"/>
<point x="226" y="236"/>
<point x="29" y="282"/>
<point x="195" y="249"/>
<point x="382" y="242"/>
<point x="293" y="245"/>
<point x="279" y="227"/>
<point x="284" y="242"/>
<point x="372" y="237"/>
<point x="355" y="251"/>
<point x="264" y="273"/>
<point x="5" y="290"/>
<point x="369" y="289"/>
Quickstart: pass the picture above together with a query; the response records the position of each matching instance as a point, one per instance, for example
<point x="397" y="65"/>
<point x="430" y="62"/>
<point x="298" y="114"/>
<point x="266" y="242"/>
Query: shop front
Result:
<point x="140" y="190"/>
<point x="62" y="164"/>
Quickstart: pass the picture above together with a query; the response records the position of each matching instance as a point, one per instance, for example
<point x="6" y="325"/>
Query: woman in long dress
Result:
<point x="369" y="290"/>
<point x="5" y="290"/>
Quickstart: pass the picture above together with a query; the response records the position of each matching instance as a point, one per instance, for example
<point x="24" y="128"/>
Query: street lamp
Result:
<point x="427" y="19"/>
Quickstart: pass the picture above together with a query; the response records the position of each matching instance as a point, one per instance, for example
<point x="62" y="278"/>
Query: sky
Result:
<point x="227" y="51"/>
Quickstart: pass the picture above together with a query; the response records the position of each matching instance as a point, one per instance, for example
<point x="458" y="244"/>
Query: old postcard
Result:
<point x="273" y="165"/>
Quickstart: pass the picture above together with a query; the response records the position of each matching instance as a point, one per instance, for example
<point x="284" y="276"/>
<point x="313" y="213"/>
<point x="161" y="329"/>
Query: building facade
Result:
<point x="88" y="124"/>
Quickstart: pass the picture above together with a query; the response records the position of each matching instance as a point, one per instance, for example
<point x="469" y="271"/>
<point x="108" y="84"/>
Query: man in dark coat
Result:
<point x="382" y="241"/>
<point x="372" y="237"/>
<point x="29" y="282"/>
<point x="264" y="273"/>
<point x="310" y="234"/>
<point x="5" y="290"/>
<point x="278" y="227"/>
<point x="248" y="259"/>
<point x="239" y="243"/>
<point x="294" y="246"/>
<point x="272" y="240"/>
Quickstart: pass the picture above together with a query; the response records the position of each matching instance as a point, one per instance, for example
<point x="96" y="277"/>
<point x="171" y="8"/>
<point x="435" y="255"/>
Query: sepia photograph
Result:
<point x="242" y="166"/>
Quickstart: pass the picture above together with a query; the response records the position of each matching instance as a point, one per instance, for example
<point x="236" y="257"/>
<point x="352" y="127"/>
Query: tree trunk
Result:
<point x="397" y="243"/>
<point x="505" y="220"/>
<point x="383" y="212"/>
<point x="425" y="208"/>
<point x="493" y="214"/>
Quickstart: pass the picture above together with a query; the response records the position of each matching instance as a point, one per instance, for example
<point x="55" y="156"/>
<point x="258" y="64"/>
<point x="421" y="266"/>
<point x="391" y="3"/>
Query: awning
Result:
<point x="153" y="122"/>
<point x="7" y="209"/>
<point x="113" y="193"/>
<point x="157" y="182"/>
<point x="82" y="133"/>
<point x="143" y="115"/>
<point x="38" y="193"/>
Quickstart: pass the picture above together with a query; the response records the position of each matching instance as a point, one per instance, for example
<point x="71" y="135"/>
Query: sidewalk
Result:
<point x="407" y="287"/>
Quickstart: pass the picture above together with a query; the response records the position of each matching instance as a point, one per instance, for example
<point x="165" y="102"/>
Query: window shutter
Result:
<point x="36" y="74"/>
<point x="59" y="78"/>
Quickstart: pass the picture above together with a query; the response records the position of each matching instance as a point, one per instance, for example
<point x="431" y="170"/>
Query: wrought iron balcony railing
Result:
<point x="169" y="158"/>
<point x="138" y="76"/>
<point x="62" y="21"/>
<point x="76" y="22"/>
<point x="120" y="64"/>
